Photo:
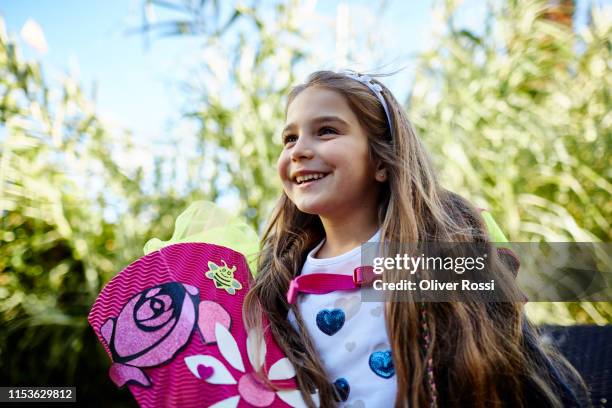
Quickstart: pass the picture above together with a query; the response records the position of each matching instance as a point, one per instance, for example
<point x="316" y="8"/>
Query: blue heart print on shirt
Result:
<point x="330" y="321"/>
<point x="381" y="363"/>
<point x="342" y="388"/>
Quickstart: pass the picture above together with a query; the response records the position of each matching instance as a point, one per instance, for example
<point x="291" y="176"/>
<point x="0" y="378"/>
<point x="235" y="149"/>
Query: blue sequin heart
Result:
<point x="382" y="364"/>
<point x="330" y="321"/>
<point x="342" y="388"/>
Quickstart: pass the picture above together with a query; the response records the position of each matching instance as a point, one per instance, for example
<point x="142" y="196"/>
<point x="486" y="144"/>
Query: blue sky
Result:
<point x="134" y="84"/>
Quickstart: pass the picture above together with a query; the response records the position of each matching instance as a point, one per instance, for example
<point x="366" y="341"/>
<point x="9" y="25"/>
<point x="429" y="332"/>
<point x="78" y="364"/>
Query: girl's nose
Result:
<point x="301" y="149"/>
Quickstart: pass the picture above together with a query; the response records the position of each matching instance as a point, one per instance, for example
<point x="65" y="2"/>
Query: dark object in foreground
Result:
<point x="589" y="349"/>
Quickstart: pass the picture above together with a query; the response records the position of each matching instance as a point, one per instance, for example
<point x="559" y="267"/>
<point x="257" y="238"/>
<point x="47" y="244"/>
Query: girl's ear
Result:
<point x="381" y="173"/>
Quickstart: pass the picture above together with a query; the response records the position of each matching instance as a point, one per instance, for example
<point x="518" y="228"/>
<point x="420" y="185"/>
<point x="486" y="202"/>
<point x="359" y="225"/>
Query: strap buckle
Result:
<point x="362" y="275"/>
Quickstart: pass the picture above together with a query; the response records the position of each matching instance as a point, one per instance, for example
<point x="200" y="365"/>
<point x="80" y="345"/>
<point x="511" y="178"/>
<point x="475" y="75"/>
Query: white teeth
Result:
<point x="314" y="176"/>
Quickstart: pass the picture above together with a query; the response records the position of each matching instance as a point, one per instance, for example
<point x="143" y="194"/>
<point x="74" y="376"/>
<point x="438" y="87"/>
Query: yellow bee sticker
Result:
<point x="223" y="276"/>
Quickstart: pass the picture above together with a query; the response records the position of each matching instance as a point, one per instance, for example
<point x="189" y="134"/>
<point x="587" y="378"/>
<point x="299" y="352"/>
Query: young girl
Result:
<point x="354" y="171"/>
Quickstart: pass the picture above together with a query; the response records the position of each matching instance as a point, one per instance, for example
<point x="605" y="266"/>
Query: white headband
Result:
<point x="376" y="88"/>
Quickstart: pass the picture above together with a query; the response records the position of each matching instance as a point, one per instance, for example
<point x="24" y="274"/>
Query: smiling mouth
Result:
<point x="309" y="178"/>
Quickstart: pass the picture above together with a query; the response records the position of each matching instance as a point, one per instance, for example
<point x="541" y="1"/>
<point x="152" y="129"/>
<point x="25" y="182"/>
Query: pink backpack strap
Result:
<point x="321" y="283"/>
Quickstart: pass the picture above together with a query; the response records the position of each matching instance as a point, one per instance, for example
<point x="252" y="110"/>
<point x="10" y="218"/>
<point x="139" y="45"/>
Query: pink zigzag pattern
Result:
<point x="175" y="385"/>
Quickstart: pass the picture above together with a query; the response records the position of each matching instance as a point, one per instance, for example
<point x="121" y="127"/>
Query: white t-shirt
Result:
<point x="349" y="335"/>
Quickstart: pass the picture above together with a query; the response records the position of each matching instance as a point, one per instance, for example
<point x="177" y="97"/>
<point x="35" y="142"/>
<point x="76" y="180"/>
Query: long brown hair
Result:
<point x="481" y="359"/>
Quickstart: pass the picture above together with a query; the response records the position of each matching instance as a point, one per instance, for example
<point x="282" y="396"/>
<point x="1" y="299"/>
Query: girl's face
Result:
<point x="324" y="166"/>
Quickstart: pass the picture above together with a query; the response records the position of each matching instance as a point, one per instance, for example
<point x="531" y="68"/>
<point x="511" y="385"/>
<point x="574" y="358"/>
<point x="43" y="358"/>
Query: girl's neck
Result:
<point x="343" y="235"/>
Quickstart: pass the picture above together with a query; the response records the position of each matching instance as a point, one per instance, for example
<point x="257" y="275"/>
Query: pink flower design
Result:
<point x="250" y="388"/>
<point x="151" y="328"/>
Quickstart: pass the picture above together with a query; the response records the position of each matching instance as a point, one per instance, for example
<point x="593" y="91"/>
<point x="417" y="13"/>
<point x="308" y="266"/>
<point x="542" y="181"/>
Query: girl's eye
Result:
<point x="326" y="130"/>
<point x="289" y="139"/>
<point x="323" y="131"/>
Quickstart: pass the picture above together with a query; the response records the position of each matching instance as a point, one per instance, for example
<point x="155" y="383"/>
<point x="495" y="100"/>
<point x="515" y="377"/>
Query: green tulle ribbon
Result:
<point x="204" y="221"/>
<point x="495" y="233"/>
